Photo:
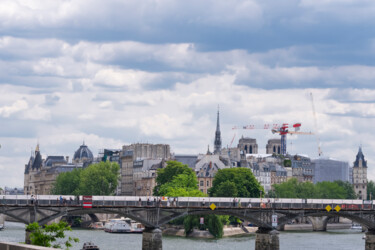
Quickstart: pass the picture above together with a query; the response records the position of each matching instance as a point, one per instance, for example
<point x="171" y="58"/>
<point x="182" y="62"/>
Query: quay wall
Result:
<point x="17" y="246"/>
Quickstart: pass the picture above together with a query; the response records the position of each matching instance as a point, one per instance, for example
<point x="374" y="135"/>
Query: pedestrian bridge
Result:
<point x="153" y="212"/>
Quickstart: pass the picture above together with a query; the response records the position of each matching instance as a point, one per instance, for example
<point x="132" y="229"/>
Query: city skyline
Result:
<point x="114" y="73"/>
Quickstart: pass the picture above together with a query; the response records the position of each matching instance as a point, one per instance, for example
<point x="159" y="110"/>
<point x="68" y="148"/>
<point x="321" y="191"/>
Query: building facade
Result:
<point x="330" y="170"/>
<point x="360" y="175"/>
<point x="273" y="146"/>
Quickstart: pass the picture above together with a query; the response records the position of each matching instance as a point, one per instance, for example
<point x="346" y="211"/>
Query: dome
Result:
<point x="83" y="154"/>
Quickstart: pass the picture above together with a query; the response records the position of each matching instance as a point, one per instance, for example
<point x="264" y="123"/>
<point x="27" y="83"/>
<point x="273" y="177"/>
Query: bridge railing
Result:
<point x="204" y="202"/>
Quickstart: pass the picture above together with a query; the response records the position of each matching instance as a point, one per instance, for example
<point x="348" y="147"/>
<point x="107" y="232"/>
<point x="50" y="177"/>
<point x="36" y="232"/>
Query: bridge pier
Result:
<point x="152" y="239"/>
<point x="370" y="240"/>
<point x="319" y="223"/>
<point x="267" y="239"/>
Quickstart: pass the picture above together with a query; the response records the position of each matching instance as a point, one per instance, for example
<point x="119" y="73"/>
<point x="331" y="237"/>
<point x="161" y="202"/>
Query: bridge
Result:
<point x="270" y="215"/>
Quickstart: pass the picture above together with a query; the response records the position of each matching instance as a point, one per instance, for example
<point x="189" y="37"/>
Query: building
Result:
<point x="217" y="142"/>
<point x="189" y="160"/>
<point x="136" y="162"/>
<point x="273" y="146"/>
<point x="248" y="145"/>
<point x="302" y="168"/>
<point x="40" y="174"/>
<point x="206" y="175"/>
<point x="330" y="170"/>
<point x="278" y="174"/>
<point x="360" y="175"/>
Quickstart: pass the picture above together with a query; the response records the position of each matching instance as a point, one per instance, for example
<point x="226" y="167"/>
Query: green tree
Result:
<point x="67" y="183"/>
<point x="50" y="234"/>
<point x="239" y="182"/>
<point x="349" y="190"/>
<point x="99" y="179"/>
<point x="176" y="175"/>
<point x="329" y="190"/>
<point x="370" y="190"/>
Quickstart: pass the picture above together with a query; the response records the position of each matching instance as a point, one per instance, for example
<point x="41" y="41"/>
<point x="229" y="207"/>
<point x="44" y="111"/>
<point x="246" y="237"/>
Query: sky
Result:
<point x="116" y="72"/>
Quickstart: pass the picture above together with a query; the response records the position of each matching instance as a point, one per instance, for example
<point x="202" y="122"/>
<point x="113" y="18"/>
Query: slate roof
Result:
<point x="83" y="152"/>
<point x="51" y="160"/>
<point x="360" y="156"/>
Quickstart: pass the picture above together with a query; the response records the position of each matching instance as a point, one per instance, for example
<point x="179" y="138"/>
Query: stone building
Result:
<point x="273" y="146"/>
<point x="248" y="145"/>
<point x="40" y="174"/>
<point x="136" y="161"/>
<point x="217" y="141"/>
<point x="278" y="174"/>
<point x="206" y="175"/>
<point x="360" y="175"/>
<point x="302" y="168"/>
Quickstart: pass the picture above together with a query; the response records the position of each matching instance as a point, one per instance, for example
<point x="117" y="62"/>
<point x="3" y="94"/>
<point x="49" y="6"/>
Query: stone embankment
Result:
<point x="16" y="246"/>
<point x="228" y="232"/>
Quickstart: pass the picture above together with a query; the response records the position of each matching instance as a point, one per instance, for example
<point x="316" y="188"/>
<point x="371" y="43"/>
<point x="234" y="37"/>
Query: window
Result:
<point x="201" y="183"/>
<point x="208" y="183"/>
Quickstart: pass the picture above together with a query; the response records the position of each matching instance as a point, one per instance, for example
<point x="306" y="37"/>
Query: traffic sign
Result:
<point x="337" y="208"/>
<point x="212" y="206"/>
<point x="328" y="208"/>
<point x="274" y="220"/>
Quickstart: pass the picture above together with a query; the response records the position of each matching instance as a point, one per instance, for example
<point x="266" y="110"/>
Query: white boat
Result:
<point x="97" y="225"/>
<point x="2" y="226"/>
<point x="356" y="227"/>
<point x="123" y="225"/>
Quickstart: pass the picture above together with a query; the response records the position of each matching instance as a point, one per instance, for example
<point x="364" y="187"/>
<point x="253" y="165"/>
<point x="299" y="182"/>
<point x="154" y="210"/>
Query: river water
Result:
<point x="289" y="240"/>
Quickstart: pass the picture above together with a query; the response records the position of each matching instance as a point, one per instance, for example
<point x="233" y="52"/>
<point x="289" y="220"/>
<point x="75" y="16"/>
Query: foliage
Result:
<point x="97" y="179"/>
<point x="235" y="182"/>
<point x="287" y="163"/>
<point x="370" y="190"/>
<point x="214" y="224"/>
<point x="174" y="176"/>
<point x="49" y="235"/>
<point x="67" y="183"/>
<point x="305" y="190"/>
<point x="349" y="190"/>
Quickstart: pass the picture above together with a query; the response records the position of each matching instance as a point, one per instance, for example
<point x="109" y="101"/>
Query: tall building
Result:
<point x="217" y="143"/>
<point x="360" y="175"/>
<point x="248" y="145"/>
<point x="330" y="170"/>
<point x="273" y="146"/>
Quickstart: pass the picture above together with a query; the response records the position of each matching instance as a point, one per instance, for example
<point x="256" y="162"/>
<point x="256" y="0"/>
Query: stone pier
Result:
<point x="370" y="240"/>
<point x="267" y="239"/>
<point x="152" y="239"/>
<point x="319" y="223"/>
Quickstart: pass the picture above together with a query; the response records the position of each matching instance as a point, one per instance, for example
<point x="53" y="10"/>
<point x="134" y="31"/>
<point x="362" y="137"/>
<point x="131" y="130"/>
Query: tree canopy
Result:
<point x="176" y="179"/>
<point x="235" y="182"/>
<point x="370" y="190"/>
<point x="97" y="179"/>
<point x="50" y="235"/>
<point x="307" y="190"/>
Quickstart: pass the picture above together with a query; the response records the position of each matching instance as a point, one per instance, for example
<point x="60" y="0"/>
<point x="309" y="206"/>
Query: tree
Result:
<point x="67" y="183"/>
<point x="49" y="235"/>
<point x="99" y="179"/>
<point x="370" y="190"/>
<point x="349" y="190"/>
<point x="177" y="175"/>
<point x="239" y="182"/>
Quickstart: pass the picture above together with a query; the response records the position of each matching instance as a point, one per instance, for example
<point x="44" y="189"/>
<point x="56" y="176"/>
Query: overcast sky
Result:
<point x="116" y="72"/>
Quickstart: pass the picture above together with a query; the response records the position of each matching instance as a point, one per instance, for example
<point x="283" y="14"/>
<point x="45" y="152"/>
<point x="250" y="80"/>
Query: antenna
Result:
<point x="316" y="125"/>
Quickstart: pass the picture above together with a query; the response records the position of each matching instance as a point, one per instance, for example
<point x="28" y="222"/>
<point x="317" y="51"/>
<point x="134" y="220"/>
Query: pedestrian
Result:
<point x="168" y="201"/>
<point x="32" y="199"/>
<point x="203" y="203"/>
<point x="61" y="200"/>
<point x="71" y="200"/>
<point x="234" y="202"/>
<point x="174" y="201"/>
<point x="139" y="202"/>
<point x="148" y="201"/>
<point x="154" y="201"/>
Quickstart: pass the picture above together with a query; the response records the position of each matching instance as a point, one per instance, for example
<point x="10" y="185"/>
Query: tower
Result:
<point x="217" y="143"/>
<point x="360" y="175"/>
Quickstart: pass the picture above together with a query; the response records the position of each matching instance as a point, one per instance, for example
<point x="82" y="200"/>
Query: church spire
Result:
<point x="217" y="143"/>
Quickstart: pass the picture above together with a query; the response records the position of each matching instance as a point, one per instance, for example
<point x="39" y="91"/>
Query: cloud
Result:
<point x="17" y="106"/>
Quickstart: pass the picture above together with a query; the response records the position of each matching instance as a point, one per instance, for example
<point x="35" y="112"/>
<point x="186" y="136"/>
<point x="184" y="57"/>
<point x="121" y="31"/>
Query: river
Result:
<point x="332" y="240"/>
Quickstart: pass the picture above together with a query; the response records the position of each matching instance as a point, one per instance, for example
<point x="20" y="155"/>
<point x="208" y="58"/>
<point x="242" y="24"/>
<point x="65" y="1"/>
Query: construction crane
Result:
<point x="282" y="130"/>
<point x="320" y="153"/>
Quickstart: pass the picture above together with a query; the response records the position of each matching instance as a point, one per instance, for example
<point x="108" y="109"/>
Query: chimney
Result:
<point x="67" y="159"/>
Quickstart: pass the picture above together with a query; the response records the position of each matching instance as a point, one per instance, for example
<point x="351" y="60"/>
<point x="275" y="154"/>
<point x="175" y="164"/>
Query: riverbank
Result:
<point x="205" y="234"/>
<point x="308" y="227"/>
